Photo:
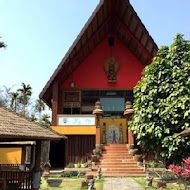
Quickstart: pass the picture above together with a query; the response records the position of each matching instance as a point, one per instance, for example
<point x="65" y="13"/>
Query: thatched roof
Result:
<point x="185" y="133"/>
<point x="15" y="126"/>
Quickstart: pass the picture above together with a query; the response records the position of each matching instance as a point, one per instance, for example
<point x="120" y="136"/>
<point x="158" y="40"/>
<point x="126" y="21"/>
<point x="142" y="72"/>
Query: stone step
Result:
<point x="119" y="166"/>
<point x="116" y="156"/>
<point x="115" y="145"/>
<point x="122" y="169"/>
<point x="119" y="174"/>
<point x="115" y="148"/>
<point x="117" y="160"/>
<point x="116" y="152"/>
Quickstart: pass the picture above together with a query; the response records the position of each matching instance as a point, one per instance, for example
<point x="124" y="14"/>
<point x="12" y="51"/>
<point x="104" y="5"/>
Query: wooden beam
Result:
<point x="80" y="51"/>
<point x="54" y="103"/>
<point x="138" y="44"/>
<point x="37" y="175"/>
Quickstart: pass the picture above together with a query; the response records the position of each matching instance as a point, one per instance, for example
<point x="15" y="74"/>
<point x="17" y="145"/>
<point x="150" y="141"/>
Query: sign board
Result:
<point x="76" y="120"/>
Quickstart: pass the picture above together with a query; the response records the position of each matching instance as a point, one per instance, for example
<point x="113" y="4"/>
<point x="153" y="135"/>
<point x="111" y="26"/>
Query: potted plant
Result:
<point x="82" y="164"/>
<point x="138" y="157"/>
<point x="77" y="165"/>
<point x="133" y="151"/>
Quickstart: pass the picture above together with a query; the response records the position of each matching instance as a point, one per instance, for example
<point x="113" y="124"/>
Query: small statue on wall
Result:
<point x="111" y="67"/>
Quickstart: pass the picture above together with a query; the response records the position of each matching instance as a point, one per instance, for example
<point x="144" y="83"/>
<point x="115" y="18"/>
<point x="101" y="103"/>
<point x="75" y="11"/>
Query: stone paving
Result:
<point x="121" y="184"/>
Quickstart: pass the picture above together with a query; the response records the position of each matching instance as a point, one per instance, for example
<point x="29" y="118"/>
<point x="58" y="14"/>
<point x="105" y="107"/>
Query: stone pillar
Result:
<point x="128" y="113"/>
<point x="98" y="137"/>
<point x="98" y="112"/>
<point x="130" y="138"/>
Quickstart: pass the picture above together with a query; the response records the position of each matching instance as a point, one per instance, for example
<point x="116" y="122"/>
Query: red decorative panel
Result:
<point x="91" y="73"/>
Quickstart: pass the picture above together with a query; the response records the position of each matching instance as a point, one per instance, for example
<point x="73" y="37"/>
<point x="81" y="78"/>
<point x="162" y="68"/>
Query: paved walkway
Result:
<point x="121" y="184"/>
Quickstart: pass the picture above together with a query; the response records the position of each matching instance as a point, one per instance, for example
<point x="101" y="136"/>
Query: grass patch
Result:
<point x="65" y="183"/>
<point x="170" y="185"/>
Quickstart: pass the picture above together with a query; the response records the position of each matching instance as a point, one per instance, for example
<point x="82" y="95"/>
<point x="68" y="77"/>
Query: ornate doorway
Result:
<point x="113" y="131"/>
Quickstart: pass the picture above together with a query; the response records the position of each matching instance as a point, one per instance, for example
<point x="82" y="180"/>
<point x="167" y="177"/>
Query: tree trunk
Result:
<point x="45" y="152"/>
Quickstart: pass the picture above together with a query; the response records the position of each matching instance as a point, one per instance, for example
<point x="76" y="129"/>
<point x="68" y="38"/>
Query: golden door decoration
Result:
<point x="113" y="131"/>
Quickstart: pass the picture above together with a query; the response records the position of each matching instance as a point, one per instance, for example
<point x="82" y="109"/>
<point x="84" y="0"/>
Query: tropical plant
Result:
<point x="24" y="96"/>
<point x="33" y="118"/>
<point x="161" y="102"/>
<point x="182" y="172"/>
<point x="5" y="96"/>
<point x="45" y="120"/>
<point x="14" y="100"/>
<point x="2" y="44"/>
<point x="39" y="107"/>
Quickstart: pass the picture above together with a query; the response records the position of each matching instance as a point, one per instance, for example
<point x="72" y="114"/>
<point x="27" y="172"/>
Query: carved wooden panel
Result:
<point x="71" y="104"/>
<point x="71" y="99"/>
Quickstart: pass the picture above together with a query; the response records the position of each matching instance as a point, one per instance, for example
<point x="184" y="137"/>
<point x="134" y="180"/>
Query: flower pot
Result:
<point x="161" y="184"/>
<point x="76" y="165"/>
<point x="82" y="165"/>
<point x="94" y="158"/>
<point x="138" y="157"/>
<point x="130" y="146"/>
<point x="133" y="151"/>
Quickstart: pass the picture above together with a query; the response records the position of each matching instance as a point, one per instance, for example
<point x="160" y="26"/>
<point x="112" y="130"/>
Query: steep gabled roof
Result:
<point x="14" y="126"/>
<point x="117" y="16"/>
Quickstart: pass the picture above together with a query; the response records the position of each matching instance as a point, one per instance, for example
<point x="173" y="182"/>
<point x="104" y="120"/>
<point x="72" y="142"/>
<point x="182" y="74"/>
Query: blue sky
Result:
<point x="39" y="33"/>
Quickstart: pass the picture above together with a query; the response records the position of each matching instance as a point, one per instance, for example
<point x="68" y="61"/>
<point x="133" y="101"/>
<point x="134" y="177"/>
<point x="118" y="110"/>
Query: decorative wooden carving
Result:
<point x="71" y="104"/>
<point x="120" y="134"/>
<point x="111" y="67"/>
<point x="104" y="134"/>
<point x="71" y="99"/>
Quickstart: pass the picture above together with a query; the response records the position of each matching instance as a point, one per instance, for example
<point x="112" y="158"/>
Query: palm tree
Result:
<point x="14" y="98"/>
<point x="33" y="118"/>
<point x="39" y="106"/>
<point x="45" y="120"/>
<point x="24" y="95"/>
<point x="2" y="45"/>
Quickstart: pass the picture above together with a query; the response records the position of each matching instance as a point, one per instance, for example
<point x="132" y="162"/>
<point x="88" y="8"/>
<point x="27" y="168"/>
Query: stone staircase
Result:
<point x="116" y="161"/>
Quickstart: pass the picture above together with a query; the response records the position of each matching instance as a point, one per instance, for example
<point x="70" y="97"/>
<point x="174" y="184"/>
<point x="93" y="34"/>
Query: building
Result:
<point x="104" y="63"/>
<point x="16" y="132"/>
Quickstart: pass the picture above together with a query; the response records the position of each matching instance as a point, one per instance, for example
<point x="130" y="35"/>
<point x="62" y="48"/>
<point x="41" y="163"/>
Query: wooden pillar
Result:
<point x="54" y="103"/>
<point x="32" y="157"/>
<point x="37" y="173"/>
<point x="23" y="158"/>
<point x="60" y="102"/>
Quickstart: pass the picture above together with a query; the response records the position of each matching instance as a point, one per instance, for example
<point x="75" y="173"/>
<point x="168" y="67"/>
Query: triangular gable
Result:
<point x="117" y="16"/>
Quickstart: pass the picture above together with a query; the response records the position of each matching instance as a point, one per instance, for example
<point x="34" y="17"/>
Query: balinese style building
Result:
<point x="104" y="64"/>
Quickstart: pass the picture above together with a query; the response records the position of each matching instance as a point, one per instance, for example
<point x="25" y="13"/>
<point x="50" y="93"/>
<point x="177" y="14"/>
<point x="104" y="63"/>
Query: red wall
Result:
<point x="91" y="73"/>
